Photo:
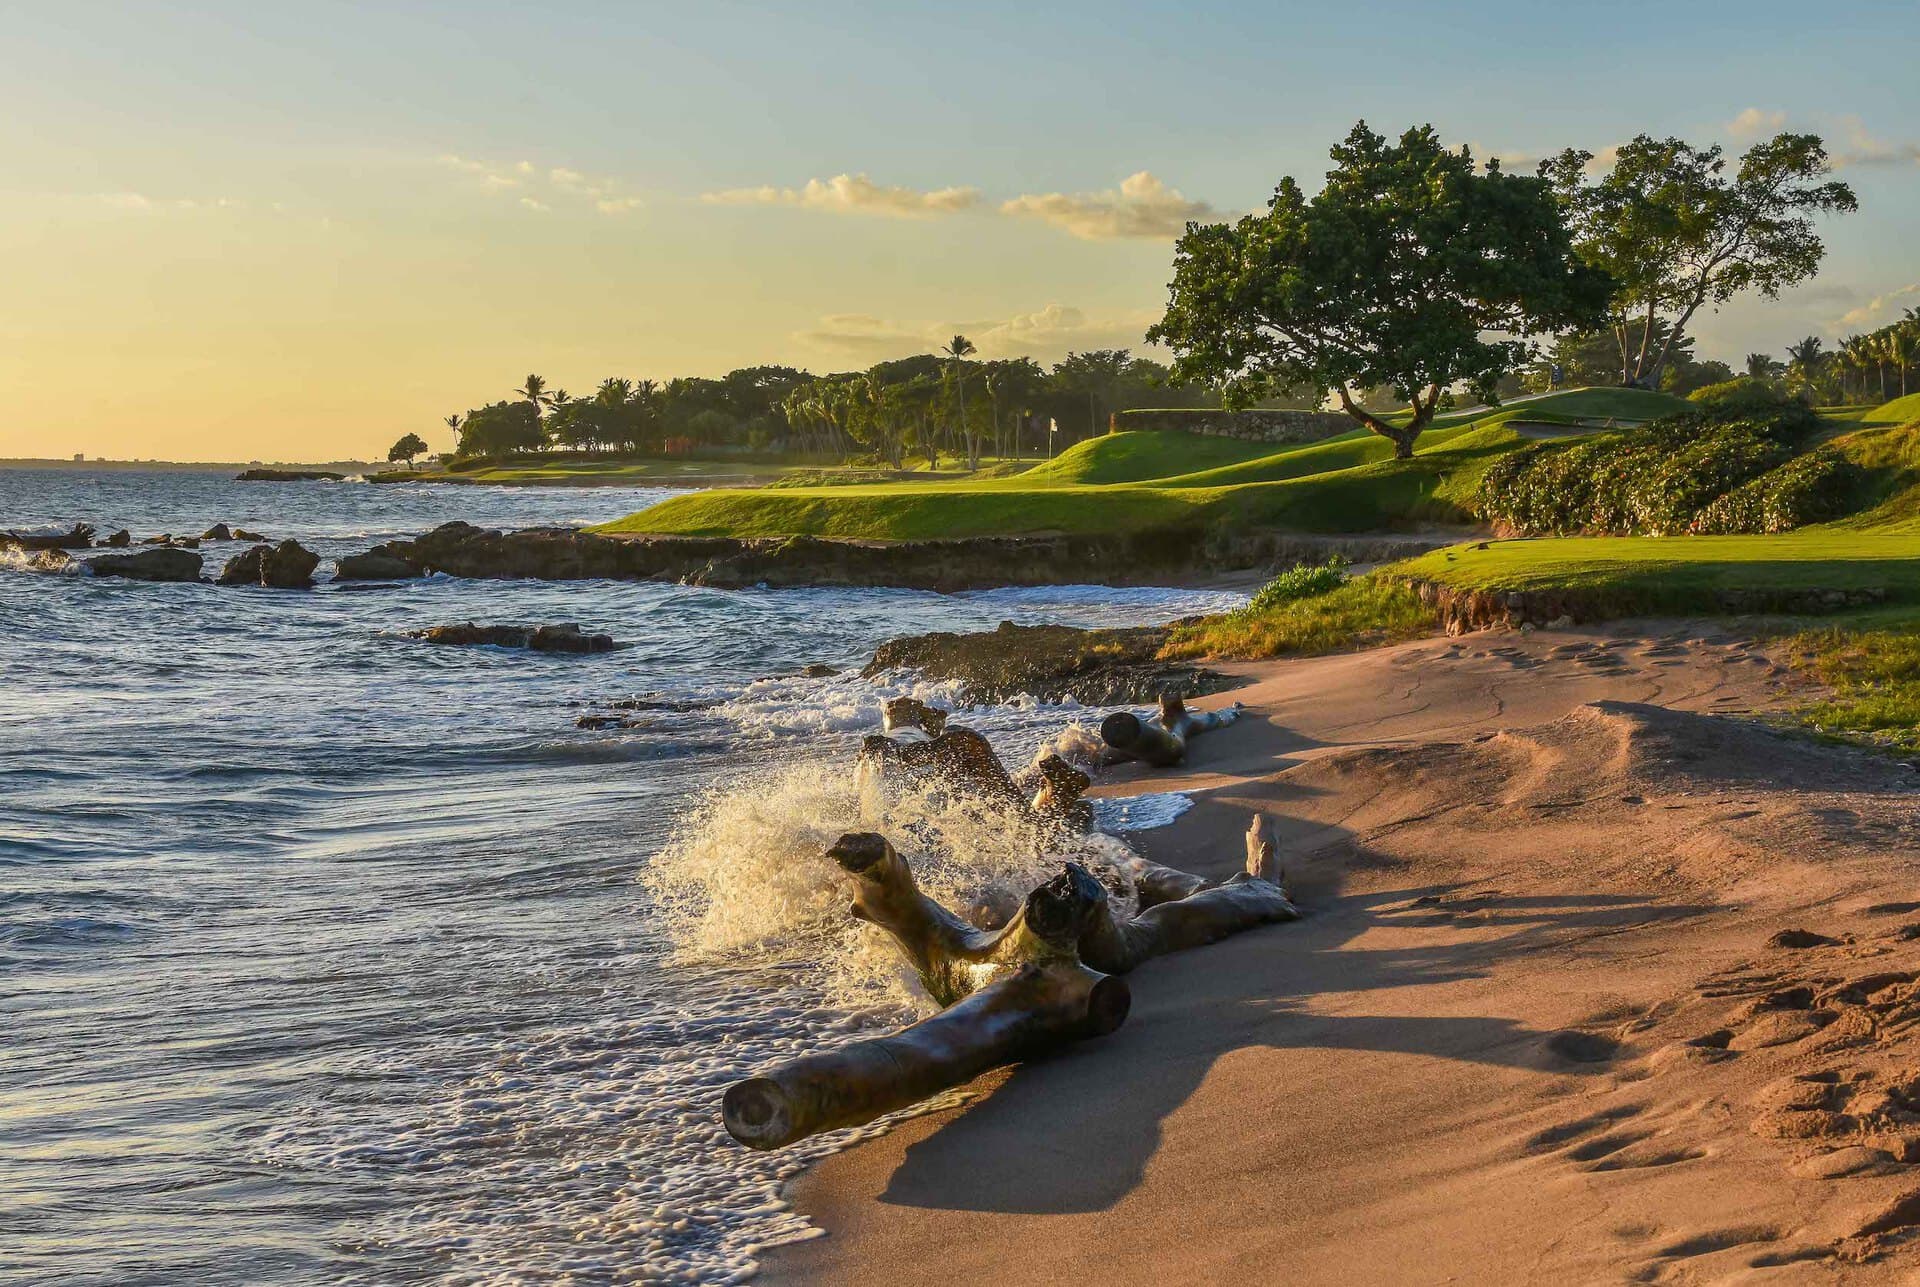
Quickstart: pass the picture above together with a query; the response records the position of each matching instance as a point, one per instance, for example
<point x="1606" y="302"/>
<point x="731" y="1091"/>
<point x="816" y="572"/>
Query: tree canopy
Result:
<point x="407" y="448"/>
<point x="1411" y="269"/>
<point x="1677" y="232"/>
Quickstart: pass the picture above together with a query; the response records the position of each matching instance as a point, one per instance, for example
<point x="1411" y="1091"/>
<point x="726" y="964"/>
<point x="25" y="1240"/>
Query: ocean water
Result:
<point x="330" y="956"/>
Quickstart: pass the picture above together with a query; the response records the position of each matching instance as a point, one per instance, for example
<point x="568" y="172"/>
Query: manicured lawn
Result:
<point x="1814" y="558"/>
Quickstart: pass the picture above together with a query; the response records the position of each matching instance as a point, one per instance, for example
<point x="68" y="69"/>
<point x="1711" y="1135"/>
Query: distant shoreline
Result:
<point x="187" y="466"/>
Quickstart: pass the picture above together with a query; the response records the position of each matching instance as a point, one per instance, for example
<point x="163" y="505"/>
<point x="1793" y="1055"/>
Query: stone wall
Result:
<point x="1251" y="426"/>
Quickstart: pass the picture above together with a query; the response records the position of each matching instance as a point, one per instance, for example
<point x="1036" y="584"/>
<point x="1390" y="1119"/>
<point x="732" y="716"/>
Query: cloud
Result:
<point x="852" y="194"/>
<point x="1752" y="122"/>
<point x="1859" y="147"/>
<point x="1142" y="207"/>
<point x="1876" y="310"/>
<point x="1048" y="333"/>
<point x="546" y="186"/>
<point x="141" y="203"/>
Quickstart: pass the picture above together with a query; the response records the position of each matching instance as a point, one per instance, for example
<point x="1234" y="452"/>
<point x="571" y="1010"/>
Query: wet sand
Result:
<point x="1600" y="981"/>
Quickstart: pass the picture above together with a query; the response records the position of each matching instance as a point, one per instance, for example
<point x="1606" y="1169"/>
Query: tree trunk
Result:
<point x="1164" y="744"/>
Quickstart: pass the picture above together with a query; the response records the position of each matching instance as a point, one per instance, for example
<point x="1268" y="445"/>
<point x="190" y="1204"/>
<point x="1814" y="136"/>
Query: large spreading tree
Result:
<point x="1677" y="232"/>
<point x="1412" y="269"/>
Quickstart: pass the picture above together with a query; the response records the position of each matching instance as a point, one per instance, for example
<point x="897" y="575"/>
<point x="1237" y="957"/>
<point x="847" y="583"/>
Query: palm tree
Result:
<point x="1855" y="355"/>
<point x="1902" y="343"/>
<point x="535" y="391"/>
<point x="1805" y="359"/>
<point x="956" y="351"/>
<point x="1762" y="366"/>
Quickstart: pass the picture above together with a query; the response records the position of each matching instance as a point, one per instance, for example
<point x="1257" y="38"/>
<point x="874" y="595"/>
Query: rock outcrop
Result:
<point x="218" y="532"/>
<point x="149" y="565"/>
<point x="566" y="554"/>
<point x="381" y="563"/>
<point x="286" y="566"/>
<point x="1051" y="663"/>
<point x="559" y="638"/>
<point x="120" y="540"/>
<point x="80" y="538"/>
<point x="287" y="476"/>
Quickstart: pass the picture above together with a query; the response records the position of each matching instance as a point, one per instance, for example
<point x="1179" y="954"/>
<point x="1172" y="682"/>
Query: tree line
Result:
<point x="1416" y="274"/>
<point x="938" y="406"/>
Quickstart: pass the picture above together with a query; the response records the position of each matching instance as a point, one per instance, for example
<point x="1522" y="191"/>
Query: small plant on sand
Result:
<point x="1303" y="582"/>
<point x="1360" y="612"/>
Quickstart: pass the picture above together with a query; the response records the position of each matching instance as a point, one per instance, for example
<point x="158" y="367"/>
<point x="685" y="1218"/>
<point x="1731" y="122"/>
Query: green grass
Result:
<point x="1369" y="497"/>
<point x="1361" y="613"/>
<point x="1899" y="411"/>
<point x="604" y="473"/>
<point x="1875" y="678"/>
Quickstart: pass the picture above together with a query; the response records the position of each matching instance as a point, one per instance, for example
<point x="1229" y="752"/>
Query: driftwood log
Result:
<point x="1163" y="743"/>
<point x="1044" y="979"/>
<point x="958" y="759"/>
<point x="1010" y="994"/>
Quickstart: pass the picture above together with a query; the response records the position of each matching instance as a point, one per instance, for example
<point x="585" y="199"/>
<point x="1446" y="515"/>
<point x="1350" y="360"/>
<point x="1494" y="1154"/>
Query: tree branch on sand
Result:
<point x="1163" y="744"/>
<point x="1042" y="979"/>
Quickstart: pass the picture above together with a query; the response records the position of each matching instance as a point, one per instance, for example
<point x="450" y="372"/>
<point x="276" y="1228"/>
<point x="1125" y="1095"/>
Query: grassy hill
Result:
<point x="1166" y="479"/>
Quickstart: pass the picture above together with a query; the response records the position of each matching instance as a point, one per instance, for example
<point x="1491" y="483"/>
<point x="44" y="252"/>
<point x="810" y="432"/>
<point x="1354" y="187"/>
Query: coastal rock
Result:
<point x="286" y="566"/>
<point x="80" y="538"/>
<point x="559" y="638"/>
<point x="149" y="565"/>
<point x="1108" y="667"/>
<point x="242" y="534"/>
<point x="287" y="476"/>
<point x="166" y="538"/>
<point x="381" y="563"/>
<point x="120" y="540"/>
<point x="218" y="532"/>
<point x="566" y="554"/>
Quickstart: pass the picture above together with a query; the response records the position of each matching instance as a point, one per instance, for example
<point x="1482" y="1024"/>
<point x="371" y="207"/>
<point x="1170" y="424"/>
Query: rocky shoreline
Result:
<point x="566" y="554"/>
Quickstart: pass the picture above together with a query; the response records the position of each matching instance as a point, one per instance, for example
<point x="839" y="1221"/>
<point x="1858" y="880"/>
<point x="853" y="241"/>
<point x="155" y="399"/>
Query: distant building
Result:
<point x="79" y="457"/>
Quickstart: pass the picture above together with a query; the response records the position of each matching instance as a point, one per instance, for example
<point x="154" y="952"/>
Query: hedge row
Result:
<point x="1664" y="478"/>
<point x="1813" y="488"/>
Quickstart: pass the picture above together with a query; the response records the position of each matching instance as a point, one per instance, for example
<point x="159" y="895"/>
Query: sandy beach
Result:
<point x="1600" y="980"/>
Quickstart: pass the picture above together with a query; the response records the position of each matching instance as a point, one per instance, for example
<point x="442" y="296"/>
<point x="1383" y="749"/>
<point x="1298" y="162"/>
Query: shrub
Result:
<point x="1658" y="479"/>
<point x="1303" y="582"/>
<point x="1814" y="488"/>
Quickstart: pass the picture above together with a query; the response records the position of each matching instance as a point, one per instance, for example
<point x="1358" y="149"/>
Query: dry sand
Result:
<point x="1540" y="1024"/>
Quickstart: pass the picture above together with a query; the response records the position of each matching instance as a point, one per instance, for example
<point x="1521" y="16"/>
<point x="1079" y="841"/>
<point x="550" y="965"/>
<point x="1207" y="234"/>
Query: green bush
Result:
<point x="1302" y="582"/>
<point x="1659" y="479"/>
<point x="1814" y="488"/>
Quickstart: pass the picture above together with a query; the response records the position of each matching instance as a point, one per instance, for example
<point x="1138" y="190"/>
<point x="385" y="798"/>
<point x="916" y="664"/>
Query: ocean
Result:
<point x="331" y="956"/>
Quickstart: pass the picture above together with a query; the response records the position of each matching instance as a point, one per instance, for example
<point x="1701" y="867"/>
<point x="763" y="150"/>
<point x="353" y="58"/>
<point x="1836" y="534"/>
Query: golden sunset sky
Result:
<point x="237" y="231"/>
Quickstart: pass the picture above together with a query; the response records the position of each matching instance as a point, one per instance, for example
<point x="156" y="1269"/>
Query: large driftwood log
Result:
<point x="1013" y="993"/>
<point x="1049" y="792"/>
<point x="1163" y="744"/>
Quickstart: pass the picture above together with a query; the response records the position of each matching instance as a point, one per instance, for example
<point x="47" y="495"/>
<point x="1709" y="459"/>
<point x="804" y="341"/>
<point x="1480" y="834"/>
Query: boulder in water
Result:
<point x="120" y="540"/>
<point x="286" y="566"/>
<point x="381" y="563"/>
<point x="242" y="534"/>
<point x="80" y="538"/>
<point x="559" y="638"/>
<point x="149" y="565"/>
<point x="218" y="532"/>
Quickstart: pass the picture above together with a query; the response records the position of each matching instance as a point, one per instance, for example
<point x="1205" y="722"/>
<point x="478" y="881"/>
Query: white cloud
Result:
<point x="1142" y="206"/>
<point x="546" y="186"/>
<point x="1859" y="147"/>
<point x="853" y="194"/>
<point x="1047" y="334"/>
<point x="1878" y="310"/>
<point x="142" y="203"/>
<point x="1752" y="122"/>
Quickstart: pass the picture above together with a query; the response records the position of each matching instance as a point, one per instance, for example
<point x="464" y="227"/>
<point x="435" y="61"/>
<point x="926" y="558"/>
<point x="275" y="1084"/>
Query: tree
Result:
<point x="1012" y="386"/>
<point x="1676" y="232"/>
<point x="1394" y="274"/>
<point x="1097" y="376"/>
<point x="1899" y="348"/>
<point x="1763" y="366"/>
<point x="535" y="392"/>
<point x="407" y="448"/>
<point x="500" y="428"/>
<point x="957" y="351"/>
<point x="1806" y="364"/>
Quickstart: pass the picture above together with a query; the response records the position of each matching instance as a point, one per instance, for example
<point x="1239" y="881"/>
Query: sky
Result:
<point x="259" y="230"/>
